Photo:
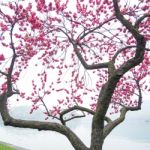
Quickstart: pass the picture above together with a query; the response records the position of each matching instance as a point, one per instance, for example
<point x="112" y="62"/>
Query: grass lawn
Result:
<point x="5" y="147"/>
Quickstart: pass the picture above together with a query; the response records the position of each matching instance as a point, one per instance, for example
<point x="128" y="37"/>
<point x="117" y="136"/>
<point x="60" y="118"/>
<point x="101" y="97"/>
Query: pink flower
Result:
<point x="2" y="58"/>
<point x="4" y="87"/>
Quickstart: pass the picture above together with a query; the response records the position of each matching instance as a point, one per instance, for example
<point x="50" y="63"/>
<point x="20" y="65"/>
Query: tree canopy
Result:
<point x="74" y="58"/>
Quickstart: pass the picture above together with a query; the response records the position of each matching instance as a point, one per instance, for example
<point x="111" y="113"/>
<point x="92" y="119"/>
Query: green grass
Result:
<point x="5" y="147"/>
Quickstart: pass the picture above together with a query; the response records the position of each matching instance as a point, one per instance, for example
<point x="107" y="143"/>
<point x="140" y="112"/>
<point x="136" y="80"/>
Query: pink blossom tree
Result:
<point x="85" y="57"/>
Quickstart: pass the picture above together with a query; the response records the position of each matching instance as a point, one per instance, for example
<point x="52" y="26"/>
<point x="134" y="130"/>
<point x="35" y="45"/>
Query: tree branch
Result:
<point x="80" y="108"/>
<point x="66" y="111"/>
<point x="111" y="68"/>
<point x="3" y="73"/>
<point x="74" y="117"/>
<point x="87" y="66"/>
<point x="138" y="107"/>
<point x="83" y="62"/>
<point x="47" y="111"/>
<point x="121" y="50"/>
<point x="107" y="119"/>
<point x="147" y="49"/>
<point x="92" y="30"/>
<point x="8" y="120"/>
<point x="9" y="76"/>
<point x="111" y="125"/>
<point x="140" y="46"/>
<point x="124" y="21"/>
<point x="11" y="39"/>
<point x="137" y="23"/>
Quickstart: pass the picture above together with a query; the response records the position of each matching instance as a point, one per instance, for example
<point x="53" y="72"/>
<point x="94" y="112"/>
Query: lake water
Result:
<point x="134" y="133"/>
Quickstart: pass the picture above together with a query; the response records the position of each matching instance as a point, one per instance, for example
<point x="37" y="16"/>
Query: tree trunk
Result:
<point x="97" y="140"/>
<point x="97" y="134"/>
